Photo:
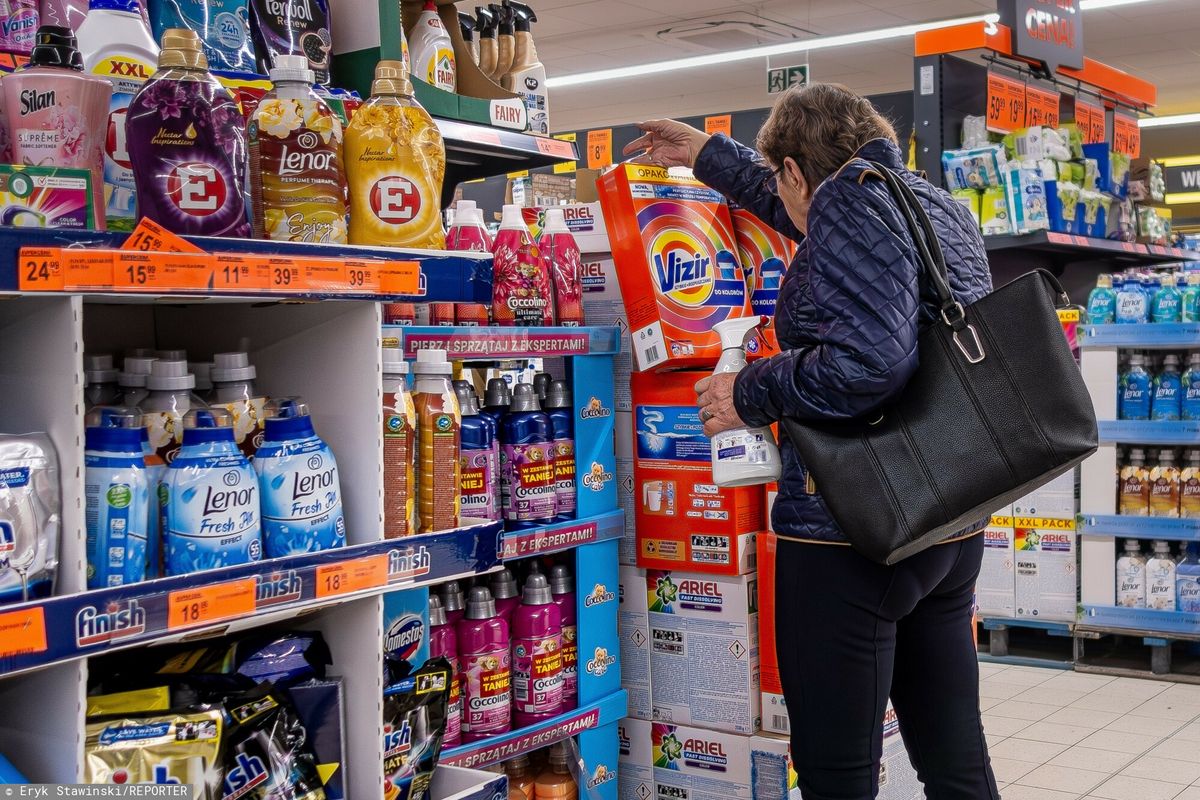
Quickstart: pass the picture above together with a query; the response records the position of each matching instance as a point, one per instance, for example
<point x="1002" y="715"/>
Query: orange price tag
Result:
<point x="188" y="608"/>
<point x="362" y="276"/>
<point x="400" y="277"/>
<point x="286" y="274"/>
<point x="359" y="575"/>
<point x="1005" y="103"/>
<point x="160" y="271"/>
<point x="23" y="631"/>
<point x="149" y="235"/>
<point x="238" y="273"/>
<point x="1127" y="135"/>
<point x="555" y="147"/>
<point x="39" y="270"/>
<point x="599" y="148"/>
<point x="325" y="275"/>
<point x="87" y="270"/>
<point x="1089" y="118"/>
<point x="722" y="123"/>
<point x="1041" y="107"/>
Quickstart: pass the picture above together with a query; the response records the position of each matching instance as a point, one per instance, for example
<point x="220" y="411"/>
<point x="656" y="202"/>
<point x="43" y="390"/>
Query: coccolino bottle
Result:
<point x="526" y="458"/>
<point x="298" y="479"/>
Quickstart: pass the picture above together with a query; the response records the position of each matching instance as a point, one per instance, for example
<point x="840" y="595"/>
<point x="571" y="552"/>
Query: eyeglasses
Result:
<point x="771" y="182"/>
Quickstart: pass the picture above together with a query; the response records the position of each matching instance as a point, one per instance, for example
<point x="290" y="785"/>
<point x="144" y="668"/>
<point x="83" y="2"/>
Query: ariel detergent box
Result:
<point x="765" y="254"/>
<point x="676" y="255"/>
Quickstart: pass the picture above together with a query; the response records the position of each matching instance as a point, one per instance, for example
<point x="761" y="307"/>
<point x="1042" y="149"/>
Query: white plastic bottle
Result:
<point x="1131" y="577"/>
<point x="132" y="380"/>
<point x="1160" y="578"/>
<point x="741" y="456"/>
<point x="235" y="391"/>
<point x="100" y="380"/>
<point x="431" y="51"/>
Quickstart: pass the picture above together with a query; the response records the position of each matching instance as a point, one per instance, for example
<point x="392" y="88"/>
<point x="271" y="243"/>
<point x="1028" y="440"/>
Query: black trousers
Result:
<point x="849" y="633"/>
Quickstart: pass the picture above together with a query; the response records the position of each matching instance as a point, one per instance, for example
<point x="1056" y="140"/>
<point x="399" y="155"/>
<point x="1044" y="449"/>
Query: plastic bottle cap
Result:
<point x="287" y="418"/>
<point x="1131" y="544"/>
<point x="98" y="368"/>
<point x="555" y="222"/>
<point x="537" y="591"/>
<point x="480" y="604"/>
<point x="56" y="46"/>
<point x="452" y="596"/>
<point x="1137" y="359"/>
<point x="561" y="580"/>
<point x="136" y="370"/>
<point x="391" y="78"/>
<point x="169" y="374"/>
<point x="524" y="399"/>
<point x="1137" y="453"/>
<point x="393" y="361"/>
<point x="235" y="367"/>
<point x="124" y="6"/>
<point x="1166" y="455"/>
<point x="437" y="614"/>
<point x="181" y="48"/>
<point x="504" y="585"/>
<point x="432" y="362"/>
<point x="292" y="68"/>
<point x="468" y="401"/>
<point x="207" y="425"/>
<point x="512" y="219"/>
<point x="541" y="384"/>
<point x="497" y="393"/>
<point x="559" y="396"/>
<point x="202" y="372"/>
<point x="171" y="355"/>
<point x="1162" y="547"/>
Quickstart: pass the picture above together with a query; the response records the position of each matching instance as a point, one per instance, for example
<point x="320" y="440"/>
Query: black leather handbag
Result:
<point x="996" y="408"/>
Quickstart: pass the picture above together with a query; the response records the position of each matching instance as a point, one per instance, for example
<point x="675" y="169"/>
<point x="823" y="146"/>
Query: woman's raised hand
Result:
<point x="667" y="143"/>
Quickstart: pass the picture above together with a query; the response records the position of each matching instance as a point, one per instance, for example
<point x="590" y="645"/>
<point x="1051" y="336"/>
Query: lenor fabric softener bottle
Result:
<point x="1102" y="302"/>
<point x="234" y="389"/>
<point x="1133" y="390"/>
<point x="526" y="456"/>
<point x="1166" y="400"/>
<point x="561" y="411"/>
<point x="116" y="492"/>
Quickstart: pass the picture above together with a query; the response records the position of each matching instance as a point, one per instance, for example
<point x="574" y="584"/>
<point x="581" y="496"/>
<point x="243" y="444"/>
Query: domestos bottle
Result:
<point x="297" y="180"/>
<point x="562" y="256"/>
<point x="116" y="491"/>
<point x="1102" y="302"/>
<point x="468" y="231"/>
<point x="483" y="652"/>
<point x="298" y="481"/>
<point x="1134" y="493"/>
<point x="742" y="456"/>
<point x="117" y="45"/>
<point x="399" y="449"/>
<point x="439" y="422"/>
<point x="562" y="587"/>
<point x="561" y="411"/>
<point x="526" y="457"/>
<point x="56" y="114"/>
<point x="521" y="293"/>
<point x="443" y="643"/>
<point x="504" y="591"/>
<point x="1160" y="578"/>
<point x="187" y="145"/>
<point x="478" y="459"/>
<point x="235" y="391"/>
<point x="431" y="51"/>
<point x="170" y="397"/>
<point x="101" y="380"/>
<point x="395" y="162"/>
<point x="537" y="658"/>
<point x="1133" y="390"/>
<point x="210" y="499"/>
<point x="1166" y="402"/>
<point x="1164" y="486"/>
<point x="1131" y="577"/>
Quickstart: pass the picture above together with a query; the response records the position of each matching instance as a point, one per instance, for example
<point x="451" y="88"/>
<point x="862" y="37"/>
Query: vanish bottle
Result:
<point x="521" y="293"/>
<point x="187" y="144"/>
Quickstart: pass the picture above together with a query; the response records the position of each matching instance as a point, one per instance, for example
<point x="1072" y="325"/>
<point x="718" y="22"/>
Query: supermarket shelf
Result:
<point x="1060" y="249"/>
<point x="1144" y="337"/>
<point x="488" y="343"/>
<point x="496" y="749"/>
<point x="563" y="535"/>
<point x="480" y="151"/>
<point x="1120" y="526"/>
<point x="444" y="276"/>
<point x="64" y="628"/>
<point x="1149" y="432"/>
<point x="1144" y="622"/>
<point x="1003" y="623"/>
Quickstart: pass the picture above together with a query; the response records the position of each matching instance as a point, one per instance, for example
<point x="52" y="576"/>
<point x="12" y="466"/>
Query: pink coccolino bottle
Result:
<point x="562" y="587"/>
<point x="561" y="252"/>
<point x="483" y="651"/>
<point x="452" y="601"/>
<point x="506" y="594"/>
<point x="443" y="641"/>
<point x="537" y="651"/>
<point x="521" y="292"/>
<point x="467" y="232"/>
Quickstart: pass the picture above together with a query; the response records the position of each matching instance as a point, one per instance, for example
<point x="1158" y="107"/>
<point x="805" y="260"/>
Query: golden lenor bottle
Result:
<point x="395" y="162"/>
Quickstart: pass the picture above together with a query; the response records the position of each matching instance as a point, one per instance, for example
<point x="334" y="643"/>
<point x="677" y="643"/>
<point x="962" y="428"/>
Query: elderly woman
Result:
<point x="850" y="632"/>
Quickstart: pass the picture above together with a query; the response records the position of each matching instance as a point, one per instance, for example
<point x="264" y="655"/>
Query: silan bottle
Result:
<point x="1102" y="302"/>
<point x="298" y="479"/>
<point x="210" y="499"/>
<point x="1166" y="401"/>
<point x="479" y="459"/>
<point x="537" y="658"/>
<point x="526" y="457"/>
<point x="561" y="411"/>
<point x="116" y="492"/>
<point x="1133" y="390"/>
<point x="443" y="643"/>
<point x="483" y="651"/>
<point x="561" y="252"/>
<point x="562" y="587"/>
<point x="521" y="291"/>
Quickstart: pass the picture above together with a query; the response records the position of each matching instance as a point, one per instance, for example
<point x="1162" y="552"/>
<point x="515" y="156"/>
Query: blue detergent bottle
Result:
<point x="1166" y="306"/>
<point x="479" y="457"/>
<point x="210" y="499"/>
<point x="526" y="458"/>
<point x="1189" y="302"/>
<point x="1132" y="304"/>
<point x="116" y="489"/>
<point x="1102" y="302"/>
<point x="561" y="411"/>
<point x="1133" y="390"/>
<point x="1166" y="401"/>
<point x="299" y="484"/>
<point x="1187" y="580"/>
<point x="497" y="398"/>
<point x="1191" y="388"/>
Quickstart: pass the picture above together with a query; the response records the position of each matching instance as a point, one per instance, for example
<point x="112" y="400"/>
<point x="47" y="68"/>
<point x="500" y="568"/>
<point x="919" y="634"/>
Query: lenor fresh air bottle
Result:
<point x="210" y="499"/>
<point x="1102" y="302"/>
<point x="116" y="492"/>
<point x="234" y="389"/>
<point x="483" y="652"/>
<point x="299" y="484"/>
<point x="562" y="587"/>
<point x="453" y="601"/>
<point x="101" y="387"/>
<point x="439" y="423"/>
<point x="1167" y="397"/>
<point x="537" y="658"/>
<point x="170" y="397"/>
<point x="1166" y="304"/>
<point x="1189" y="302"/>
<point x="1132" y="304"/>
<point x="443" y="643"/>
<point x="503" y="585"/>
<point x="526" y="457"/>
<point x="479" y="459"/>
<point x="561" y="252"/>
<point x="399" y="449"/>
<point x="1133" y="390"/>
<point x="561" y="411"/>
<point x="521" y="291"/>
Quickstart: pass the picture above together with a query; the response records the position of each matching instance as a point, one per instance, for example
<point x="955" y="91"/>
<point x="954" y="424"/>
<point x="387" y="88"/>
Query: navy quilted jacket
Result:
<point x="849" y="308"/>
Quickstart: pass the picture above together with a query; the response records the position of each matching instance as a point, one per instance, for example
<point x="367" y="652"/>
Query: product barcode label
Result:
<point x="652" y="354"/>
<point x="780" y="723"/>
<point x="1022" y="146"/>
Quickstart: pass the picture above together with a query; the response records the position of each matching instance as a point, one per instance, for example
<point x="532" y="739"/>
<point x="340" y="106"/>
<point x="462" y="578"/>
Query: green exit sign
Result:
<point x="784" y="78"/>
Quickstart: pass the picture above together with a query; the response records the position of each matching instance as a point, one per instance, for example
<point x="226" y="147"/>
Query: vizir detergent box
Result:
<point x="765" y="254"/>
<point x="674" y="246"/>
<point x="704" y="650"/>
<point x="633" y="624"/>
<point x="684" y="520"/>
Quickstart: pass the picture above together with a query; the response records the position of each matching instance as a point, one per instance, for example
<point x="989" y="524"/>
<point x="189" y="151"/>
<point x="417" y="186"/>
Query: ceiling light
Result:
<point x="1175" y="119"/>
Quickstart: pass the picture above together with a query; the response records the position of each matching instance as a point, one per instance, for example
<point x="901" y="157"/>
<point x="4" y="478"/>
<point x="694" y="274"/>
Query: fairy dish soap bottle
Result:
<point x="431" y="50"/>
<point x="395" y="162"/>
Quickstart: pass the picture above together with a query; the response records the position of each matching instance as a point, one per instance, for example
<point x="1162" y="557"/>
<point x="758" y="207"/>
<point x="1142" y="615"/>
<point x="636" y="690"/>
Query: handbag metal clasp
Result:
<point x="973" y="357"/>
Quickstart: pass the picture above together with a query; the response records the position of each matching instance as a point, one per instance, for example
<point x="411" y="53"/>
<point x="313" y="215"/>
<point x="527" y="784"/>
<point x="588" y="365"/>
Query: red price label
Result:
<point x="23" y="631"/>
<point x="1041" y="107"/>
<point x="188" y="608"/>
<point x="87" y="270"/>
<point x="1127" y="135"/>
<point x="359" y="575"/>
<point x="286" y="275"/>
<point x="39" y="270"/>
<point x="555" y="147"/>
<point x="1005" y="103"/>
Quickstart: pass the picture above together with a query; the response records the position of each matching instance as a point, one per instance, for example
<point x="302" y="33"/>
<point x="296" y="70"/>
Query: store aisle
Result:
<point x="1060" y="735"/>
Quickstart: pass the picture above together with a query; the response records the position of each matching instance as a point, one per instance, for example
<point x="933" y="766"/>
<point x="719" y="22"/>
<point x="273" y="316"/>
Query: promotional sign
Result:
<point x="1047" y="31"/>
<point x="1182" y="177"/>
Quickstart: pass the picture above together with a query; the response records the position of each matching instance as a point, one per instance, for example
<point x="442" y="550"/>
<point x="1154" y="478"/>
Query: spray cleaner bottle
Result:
<point x="466" y="25"/>
<point x="505" y="41"/>
<point x="561" y="252"/>
<point x="536" y="655"/>
<point x="483" y="648"/>
<point x="527" y="76"/>
<point x="485" y="26"/>
<point x="443" y="643"/>
<point x="742" y="456"/>
<point x="562" y="587"/>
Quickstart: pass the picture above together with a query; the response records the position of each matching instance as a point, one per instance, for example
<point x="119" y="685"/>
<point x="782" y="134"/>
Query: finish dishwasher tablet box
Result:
<point x="1047" y="577"/>
<point x="633" y="623"/>
<point x="995" y="589"/>
<point x="674" y="246"/>
<point x="684" y="520"/>
<point x="704" y="650"/>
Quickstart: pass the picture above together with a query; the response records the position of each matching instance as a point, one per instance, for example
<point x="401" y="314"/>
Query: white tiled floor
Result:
<point x="1057" y="735"/>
